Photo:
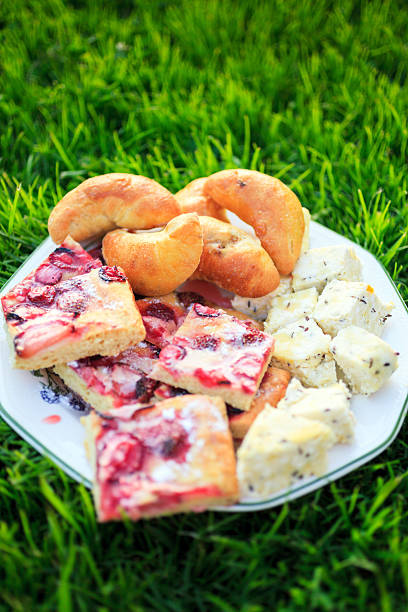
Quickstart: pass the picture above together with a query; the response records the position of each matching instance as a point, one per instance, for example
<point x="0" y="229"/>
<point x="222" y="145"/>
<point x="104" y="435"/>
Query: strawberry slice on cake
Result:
<point x="116" y="384"/>
<point x="174" y="457"/>
<point x="217" y="354"/>
<point x="93" y="313"/>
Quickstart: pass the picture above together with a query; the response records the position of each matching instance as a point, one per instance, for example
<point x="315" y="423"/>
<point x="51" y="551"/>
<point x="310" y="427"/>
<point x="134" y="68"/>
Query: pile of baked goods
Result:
<point x="199" y="396"/>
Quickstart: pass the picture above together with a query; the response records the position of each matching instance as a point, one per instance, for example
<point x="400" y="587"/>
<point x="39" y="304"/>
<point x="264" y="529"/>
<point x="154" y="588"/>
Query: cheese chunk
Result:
<point x="320" y="266"/>
<point x="303" y="349"/>
<point x="330" y="405"/>
<point x="280" y="450"/>
<point x="289" y="308"/>
<point x="345" y="303"/>
<point x="258" y="308"/>
<point x="366" y="360"/>
<point x="306" y="240"/>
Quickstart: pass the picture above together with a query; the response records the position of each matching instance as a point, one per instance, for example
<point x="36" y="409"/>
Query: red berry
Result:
<point x="159" y="311"/>
<point x="48" y="275"/>
<point x="205" y="311"/>
<point x="172" y="353"/>
<point x="43" y="295"/>
<point x="205" y="342"/>
<point x="111" y="274"/>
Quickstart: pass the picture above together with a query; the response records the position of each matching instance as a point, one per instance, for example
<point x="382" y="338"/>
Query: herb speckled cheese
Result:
<point x="289" y="308"/>
<point x="330" y="405"/>
<point x="303" y="349"/>
<point x="257" y="308"/>
<point x="280" y="450"/>
<point x="345" y="303"/>
<point x="319" y="266"/>
<point x="366" y="360"/>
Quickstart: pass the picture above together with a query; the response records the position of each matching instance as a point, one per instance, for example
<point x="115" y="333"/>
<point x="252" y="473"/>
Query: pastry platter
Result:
<point x="50" y="421"/>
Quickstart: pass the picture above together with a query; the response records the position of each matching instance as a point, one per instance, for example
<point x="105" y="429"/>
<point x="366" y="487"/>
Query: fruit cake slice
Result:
<point x="94" y="313"/>
<point x="161" y="317"/>
<point x="174" y="457"/>
<point x="215" y="353"/>
<point x="112" y="383"/>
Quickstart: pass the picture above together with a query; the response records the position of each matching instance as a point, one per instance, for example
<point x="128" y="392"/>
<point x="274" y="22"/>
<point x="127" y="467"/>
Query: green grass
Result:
<point x="312" y="92"/>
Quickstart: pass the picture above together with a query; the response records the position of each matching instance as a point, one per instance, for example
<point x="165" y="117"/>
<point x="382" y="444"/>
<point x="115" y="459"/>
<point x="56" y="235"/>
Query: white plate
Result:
<point x="379" y="417"/>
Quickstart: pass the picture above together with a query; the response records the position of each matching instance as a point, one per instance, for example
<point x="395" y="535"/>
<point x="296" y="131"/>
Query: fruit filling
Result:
<point x="117" y="376"/>
<point x="161" y="319"/>
<point x="217" y="350"/>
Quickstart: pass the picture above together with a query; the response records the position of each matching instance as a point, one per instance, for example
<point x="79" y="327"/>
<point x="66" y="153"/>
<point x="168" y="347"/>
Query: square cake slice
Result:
<point x="175" y="457"/>
<point x="217" y="354"/>
<point x="91" y="314"/>
<point x="112" y="385"/>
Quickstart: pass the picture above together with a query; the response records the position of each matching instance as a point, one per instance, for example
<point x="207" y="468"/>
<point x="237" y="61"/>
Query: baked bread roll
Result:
<point x="155" y="263"/>
<point x="268" y="205"/>
<point x="193" y="199"/>
<point x="235" y="260"/>
<point x="105" y="202"/>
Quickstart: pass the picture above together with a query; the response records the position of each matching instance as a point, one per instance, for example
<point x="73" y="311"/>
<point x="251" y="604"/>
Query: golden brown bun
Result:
<point x="104" y="202"/>
<point x="193" y="199"/>
<point x="235" y="260"/>
<point x="268" y="205"/>
<point x="155" y="263"/>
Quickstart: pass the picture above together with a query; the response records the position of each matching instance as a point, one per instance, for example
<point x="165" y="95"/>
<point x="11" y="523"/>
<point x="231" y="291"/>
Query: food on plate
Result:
<point x="157" y="262"/>
<point x="366" y="361"/>
<point x="329" y="405"/>
<point x="105" y="202"/>
<point x="306" y="233"/>
<point x="317" y="267"/>
<point x="193" y="199"/>
<point x="271" y="390"/>
<point x="303" y="349"/>
<point x="174" y="457"/>
<point x="88" y="314"/>
<point x="216" y="354"/>
<point x="281" y="449"/>
<point x="258" y="308"/>
<point x="268" y="205"/>
<point x="345" y="303"/>
<point x="235" y="260"/>
<point x="112" y="382"/>
<point x="290" y="308"/>
<point x="161" y="317"/>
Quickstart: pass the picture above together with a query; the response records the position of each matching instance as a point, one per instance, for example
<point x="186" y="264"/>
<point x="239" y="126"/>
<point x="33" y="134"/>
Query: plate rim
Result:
<point x="244" y="506"/>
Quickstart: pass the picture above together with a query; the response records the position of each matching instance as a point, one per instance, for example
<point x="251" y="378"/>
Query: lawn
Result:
<point x="314" y="93"/>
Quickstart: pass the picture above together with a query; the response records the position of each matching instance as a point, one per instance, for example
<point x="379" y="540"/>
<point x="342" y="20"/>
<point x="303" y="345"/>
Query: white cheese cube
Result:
<point x="280" y="450"/>
<point x="366" y="360"/>
<point x="257" y="308"/>
<point x="290" y="308"/>
<point x="303" y="349"/>
<point x="305" y="241"/>
<point x="329" y="405"/>
<point x="320" y="266"/>
<point x="345" y="303"/>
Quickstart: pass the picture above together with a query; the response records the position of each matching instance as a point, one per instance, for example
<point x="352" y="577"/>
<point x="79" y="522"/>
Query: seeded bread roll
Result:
<point x="235" y="260"/>
<point x="105" y="202"/>
<point x="155" y="263"/>
<point x="268" y="205"/>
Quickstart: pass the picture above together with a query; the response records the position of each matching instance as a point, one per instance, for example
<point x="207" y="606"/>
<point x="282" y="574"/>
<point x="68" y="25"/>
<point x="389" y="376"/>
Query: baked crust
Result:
<point x="235" y="260"/>
<point x="272" y="389"/>
<point x="268" y="205"/>
<point x="174" y="457"/>
<point x="216" y="354"/>
<point x="94" y="313"/>
<point x="105" y="202"/>
<point x="157" y="262"/>
<point x="193" y="199"/>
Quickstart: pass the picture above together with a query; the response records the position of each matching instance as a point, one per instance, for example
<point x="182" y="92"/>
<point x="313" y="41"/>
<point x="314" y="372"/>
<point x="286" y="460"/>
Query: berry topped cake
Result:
<point x="161" y="317"/>
<point x="111" y="383"/>
<point x="217" y="354"/>
<point x="174" y="457"/>
<point x="94" y="313"/>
